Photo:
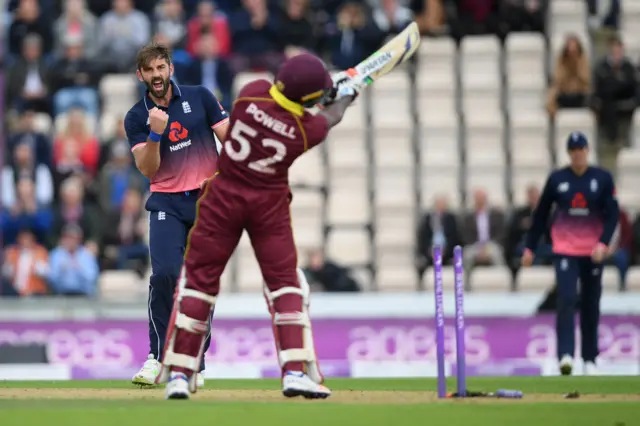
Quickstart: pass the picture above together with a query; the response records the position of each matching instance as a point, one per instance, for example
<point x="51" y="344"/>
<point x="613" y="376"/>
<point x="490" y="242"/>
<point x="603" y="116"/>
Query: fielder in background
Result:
<point x="170" y="132"/>
<point x="269" y="130"/>
<point x="585" y="220"/>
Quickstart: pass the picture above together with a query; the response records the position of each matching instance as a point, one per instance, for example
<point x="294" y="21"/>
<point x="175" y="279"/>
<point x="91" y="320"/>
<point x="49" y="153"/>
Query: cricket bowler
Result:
<point x="171" y="135"/>
<point x="269" y="129"/>
<point x="585" y="220"/>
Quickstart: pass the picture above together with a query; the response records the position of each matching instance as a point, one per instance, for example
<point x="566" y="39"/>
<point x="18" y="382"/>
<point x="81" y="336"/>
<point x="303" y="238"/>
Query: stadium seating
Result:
<point x="473" y="118"/>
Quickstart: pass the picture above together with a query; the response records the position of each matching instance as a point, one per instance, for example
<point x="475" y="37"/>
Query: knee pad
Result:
<point x="182" y="322"/>
<point x="306" y="354"/>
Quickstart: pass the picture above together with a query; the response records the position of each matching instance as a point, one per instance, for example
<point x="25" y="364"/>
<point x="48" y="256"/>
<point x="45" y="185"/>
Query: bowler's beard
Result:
<point x="158" y="93"/>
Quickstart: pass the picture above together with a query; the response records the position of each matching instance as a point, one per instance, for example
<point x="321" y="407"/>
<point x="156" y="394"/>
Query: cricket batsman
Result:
<point x="585" y="220"/>
<point x="270" y="128"/>
<point x="171" y="135"/>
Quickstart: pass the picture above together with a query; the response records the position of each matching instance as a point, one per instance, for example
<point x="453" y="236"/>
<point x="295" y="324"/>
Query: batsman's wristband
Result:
<point x="154" y="137"/>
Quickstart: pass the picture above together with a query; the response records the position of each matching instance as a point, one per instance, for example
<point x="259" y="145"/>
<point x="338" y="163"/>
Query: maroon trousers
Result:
<point x="225" y="210"/>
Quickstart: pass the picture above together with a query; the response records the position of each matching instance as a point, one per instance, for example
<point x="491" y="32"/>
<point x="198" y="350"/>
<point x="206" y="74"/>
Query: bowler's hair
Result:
<point x="150" y="52"/>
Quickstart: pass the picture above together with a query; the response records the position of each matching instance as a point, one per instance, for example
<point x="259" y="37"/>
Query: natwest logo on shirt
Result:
<point x="177" y="133"/>
<point x="579" y="205"/>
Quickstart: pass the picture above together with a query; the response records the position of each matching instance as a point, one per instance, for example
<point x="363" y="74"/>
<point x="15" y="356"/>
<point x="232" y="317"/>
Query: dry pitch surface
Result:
<point x="251" y="395"/>
<point x="604" y="401"/>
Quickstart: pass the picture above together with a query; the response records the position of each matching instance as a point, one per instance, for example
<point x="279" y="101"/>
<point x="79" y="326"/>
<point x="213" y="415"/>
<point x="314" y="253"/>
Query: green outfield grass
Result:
<point x="604" y="401"/>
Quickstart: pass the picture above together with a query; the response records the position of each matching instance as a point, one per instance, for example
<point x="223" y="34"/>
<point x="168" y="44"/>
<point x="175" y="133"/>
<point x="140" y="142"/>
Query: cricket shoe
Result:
<point x="148" y="373"/>
<point x="566" y="365"/>
<point x="177" y="387"/>
<point x="591" y="369"/>
<point x="296" y="383"/>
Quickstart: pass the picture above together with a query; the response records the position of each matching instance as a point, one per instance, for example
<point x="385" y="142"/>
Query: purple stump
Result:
<point x="439" y="315"/>
<point x="460" y="349"/>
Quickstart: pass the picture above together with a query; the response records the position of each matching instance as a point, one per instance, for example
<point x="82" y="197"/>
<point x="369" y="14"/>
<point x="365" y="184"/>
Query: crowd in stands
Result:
<point x="491" y="237"/>
<point x="74" y="204"/>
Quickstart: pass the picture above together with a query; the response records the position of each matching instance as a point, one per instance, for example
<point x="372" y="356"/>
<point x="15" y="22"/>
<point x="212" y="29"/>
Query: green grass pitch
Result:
<point x="604" y="401"/>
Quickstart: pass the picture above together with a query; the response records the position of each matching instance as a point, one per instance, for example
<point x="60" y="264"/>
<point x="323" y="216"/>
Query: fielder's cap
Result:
<point x="577" y="140"/>
<point x="303" y="78"/>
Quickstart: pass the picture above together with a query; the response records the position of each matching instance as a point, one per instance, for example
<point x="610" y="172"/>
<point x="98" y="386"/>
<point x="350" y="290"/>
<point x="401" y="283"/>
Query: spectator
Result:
<point x="26" y="266"/>
<point x="636" y="241"/>
<point x="74" y="268"/>
<point x="123" y="31"/>
<point x="329" y="276"/>
<point x="438" y="228"/>
<point x="517" y="229"/>
<point x="525" y="15"/>
<point x="69" y="165"/>
<point x="255" y="38"/>
<point x="391" y="17"/>
<point x="614" y="102"/>
<point x="603" y="22"/>
<point x="297" y="30"/>
<point x="355" y="36"/>
<point x="73" y="209"/>
<point x="25" y="213"/>
<point x="127" y="227"/>
<point x="74" y="81"/>
<point x="25" y="167"/>
<point x="28" y="20"/>
<point x="429" y="15"/>
<point x="621" y="253"/>
<point x="27" y="135"/>
<point x="171" y="24"/>
<point x="28" y="78"/>
<point x="117" y="177"/>
<point x="76" y="23"/>
<point x="100" y="7"/>
<point x="106" y="147"/>
<point x="209" y="70"/>
<point x="208" y="22"/>
<point x="74" y="143"/>
<point x="473" y="17"/>
<point x="482" y="234"/>
<point x="571" y="79"/>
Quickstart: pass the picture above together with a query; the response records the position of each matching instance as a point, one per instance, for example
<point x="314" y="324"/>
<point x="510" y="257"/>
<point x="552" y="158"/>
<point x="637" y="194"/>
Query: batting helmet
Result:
<point x="304" y="79"/>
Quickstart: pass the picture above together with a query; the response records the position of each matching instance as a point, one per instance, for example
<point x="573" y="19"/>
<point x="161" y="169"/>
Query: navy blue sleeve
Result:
<point x="136" y="129"/>
<point x="540" y="216"/>
<point x="216" y="114"/>
<point x="611" y="209"/>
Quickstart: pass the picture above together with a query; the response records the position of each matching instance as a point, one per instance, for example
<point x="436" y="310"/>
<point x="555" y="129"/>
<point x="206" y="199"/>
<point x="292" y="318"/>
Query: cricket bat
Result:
<point x="384" y="60"/>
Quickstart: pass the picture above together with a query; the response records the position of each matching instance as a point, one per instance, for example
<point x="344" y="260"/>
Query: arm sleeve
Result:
<point x="55" y="269"/>
<point x="89" y="272"/>
<point x="143" y="29"/>
<point x="540" y="217"/>
<point x="315" y="132"/>
<point x="136" y="130"/>
<point x="8" y="188"/>
<point x="44" y="185"/>
<point x="611" y="210"/>
<point x="223" y="34"/>
<point x="216" y="114"/>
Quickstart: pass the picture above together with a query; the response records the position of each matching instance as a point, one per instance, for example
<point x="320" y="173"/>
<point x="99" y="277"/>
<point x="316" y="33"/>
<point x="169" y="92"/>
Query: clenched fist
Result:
<point x="158" y="120"/>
